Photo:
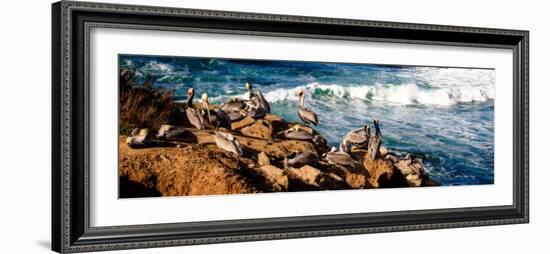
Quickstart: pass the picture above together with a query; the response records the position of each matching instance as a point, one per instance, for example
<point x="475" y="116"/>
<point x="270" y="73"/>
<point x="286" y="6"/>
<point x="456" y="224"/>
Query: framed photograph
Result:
<point x="182" y="126"/>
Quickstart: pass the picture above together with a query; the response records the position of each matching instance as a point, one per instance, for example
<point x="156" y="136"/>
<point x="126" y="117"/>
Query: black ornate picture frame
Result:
<point x="71" y="230"/>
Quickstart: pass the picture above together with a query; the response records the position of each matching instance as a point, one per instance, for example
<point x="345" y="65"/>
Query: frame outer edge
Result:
<point x="175" y="11"/>
<point x="526" y="137"/>
<point x="56" y="129"/>
<point x="65" y="105"/>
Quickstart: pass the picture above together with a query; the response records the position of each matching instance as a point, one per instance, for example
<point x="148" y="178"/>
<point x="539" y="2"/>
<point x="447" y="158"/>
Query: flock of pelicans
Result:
<point x="255" y="106"/>
<point x="202" y="116"/>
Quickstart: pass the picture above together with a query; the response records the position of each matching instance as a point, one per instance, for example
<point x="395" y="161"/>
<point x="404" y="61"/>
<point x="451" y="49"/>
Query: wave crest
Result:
<point x="402" y="94"/>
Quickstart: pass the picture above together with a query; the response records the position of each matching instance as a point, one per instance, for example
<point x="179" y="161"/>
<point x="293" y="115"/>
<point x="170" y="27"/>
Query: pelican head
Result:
<point x="190" y="95"/>
<point x="204" y="98"/>
<point x="376" y="126"/>
<point x="300" y="92"/>
<point x="367" y="129"/>
<point x="344" y="146"/>
<point x="248" y="86"/>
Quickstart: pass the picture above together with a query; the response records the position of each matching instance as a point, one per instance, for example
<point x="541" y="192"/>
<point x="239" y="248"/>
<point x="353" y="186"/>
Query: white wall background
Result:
<point x="25" y="125"/>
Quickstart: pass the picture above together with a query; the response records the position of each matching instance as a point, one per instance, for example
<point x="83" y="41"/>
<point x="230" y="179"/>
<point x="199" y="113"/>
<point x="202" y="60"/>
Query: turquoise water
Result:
<point x="445" y="115"/>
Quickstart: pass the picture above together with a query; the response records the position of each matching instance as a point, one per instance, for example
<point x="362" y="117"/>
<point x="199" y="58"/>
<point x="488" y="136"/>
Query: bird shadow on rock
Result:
<point x="153" y="144"/>
<point x="158" y="143"/>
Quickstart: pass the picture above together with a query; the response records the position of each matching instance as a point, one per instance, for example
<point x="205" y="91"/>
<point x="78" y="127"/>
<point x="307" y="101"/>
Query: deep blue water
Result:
<point x="443" y="114"/>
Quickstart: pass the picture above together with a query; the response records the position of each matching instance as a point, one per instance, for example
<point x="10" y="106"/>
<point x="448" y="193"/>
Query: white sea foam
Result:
<point x="449" y="77"/>
<point x="400" y="94"/>
<point x="155" y="66"/>
<point x="420" y="85"/>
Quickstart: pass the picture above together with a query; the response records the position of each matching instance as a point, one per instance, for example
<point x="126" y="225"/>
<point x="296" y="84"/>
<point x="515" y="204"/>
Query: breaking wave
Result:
<point x="405" y="94"/>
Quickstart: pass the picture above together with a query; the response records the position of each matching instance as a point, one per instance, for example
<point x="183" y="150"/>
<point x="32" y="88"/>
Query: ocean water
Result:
<point x="445" y="115"/>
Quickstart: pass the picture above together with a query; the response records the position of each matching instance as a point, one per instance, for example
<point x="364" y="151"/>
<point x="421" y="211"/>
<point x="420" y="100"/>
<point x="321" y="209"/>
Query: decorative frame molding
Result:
<point x="71" y="22"/>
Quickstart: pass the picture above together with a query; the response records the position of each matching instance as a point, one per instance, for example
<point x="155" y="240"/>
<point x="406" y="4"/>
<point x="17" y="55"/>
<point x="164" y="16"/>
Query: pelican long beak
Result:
<point x="377" y="127"/>
<point x="205" y="105"/>
<point x="207" y="111"/>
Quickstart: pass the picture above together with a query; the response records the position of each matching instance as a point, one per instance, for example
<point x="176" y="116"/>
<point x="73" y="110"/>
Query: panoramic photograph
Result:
<point x="215" y="126"/>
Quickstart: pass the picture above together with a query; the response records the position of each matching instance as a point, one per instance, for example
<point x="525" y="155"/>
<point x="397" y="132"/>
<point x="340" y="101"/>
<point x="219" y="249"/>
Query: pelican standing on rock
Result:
<point x="216" y="117"/>
<point x="354" y="138"/>
<point x="257" y="99"/>
<point x="375" y="141"/>
<point x="307" y="116"/>
<point x="228" y="142"/>
<point x="193" y="115"/>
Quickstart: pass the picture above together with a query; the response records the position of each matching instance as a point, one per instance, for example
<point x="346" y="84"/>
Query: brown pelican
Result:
<point x="339" y="158"/>
<point x="297" y="132"/>
<point x="235" y="109"/>
<point x="233" y="104"/>
<point x="140" y="138"/>
<point x="354" y="138"/>
<point x="411" y="165"/>
<point x="235" y="116"/>
<point x="255" y="106"/>
<point x="216" y="117"/>
<point x="301" y="159"/>
<point x="257" y="99"/>
<point x="173" y="133"/>
<point x="255" y="111"/>
<point x="375" y="141"/>
<point x="228" y="142"/>
<point x="412" y="169"/>
<point x="194" y="115"/>
<point x="307" y="116"/>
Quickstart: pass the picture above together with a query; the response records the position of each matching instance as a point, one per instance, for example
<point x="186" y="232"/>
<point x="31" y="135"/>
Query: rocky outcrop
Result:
<point x="260" y="129"/>
<point x="265" y="162"/>
<point x="382" y="173"/>
<point x="243" y="123"/>
<point x="172" y="171"/>
<point x="306" y="175"/>
<point x="412" y="169"/>
<point x="263" y="159"/>
<point x="273" y="179"/>
<point x="311" y="178"/>
<point x="331" y="181"/>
